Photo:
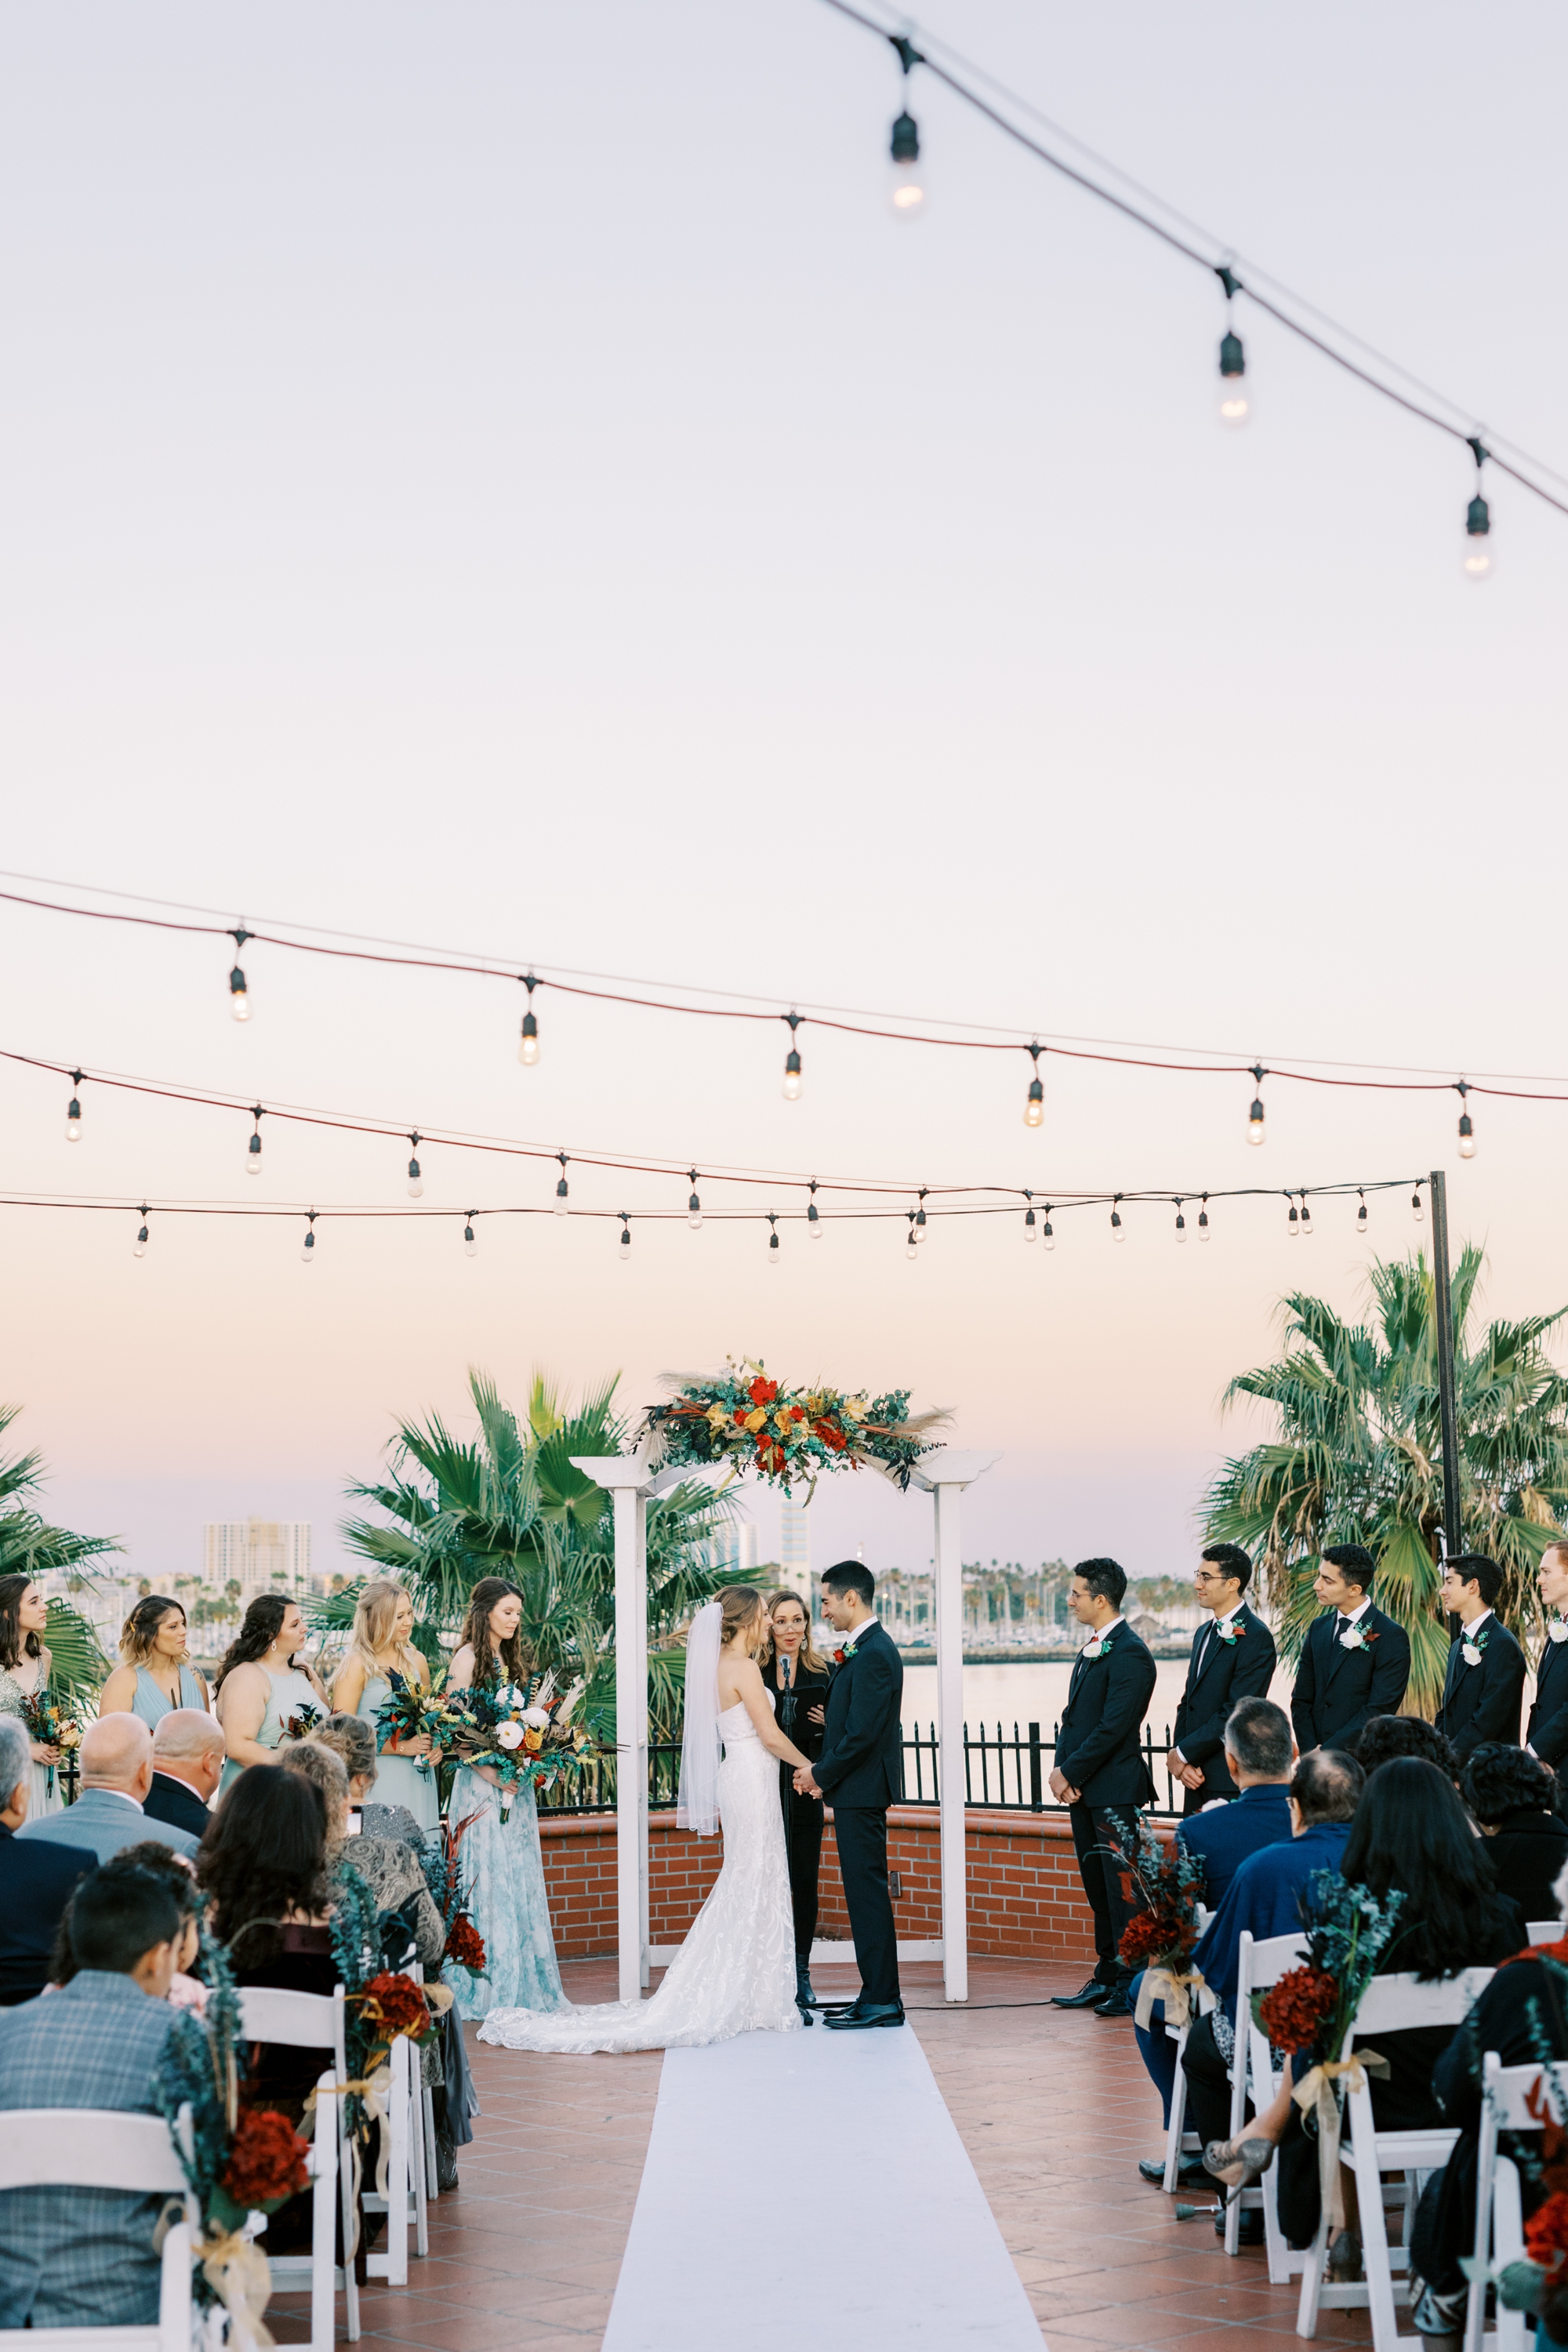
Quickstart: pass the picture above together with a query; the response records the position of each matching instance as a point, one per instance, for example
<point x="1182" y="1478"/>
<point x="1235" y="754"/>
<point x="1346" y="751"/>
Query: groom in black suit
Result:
<point x="1100" y="1774"/>
<point x="1232" y="1659"/>
<point x="861" y="1772"/>
<point x="1355" y="1662"/>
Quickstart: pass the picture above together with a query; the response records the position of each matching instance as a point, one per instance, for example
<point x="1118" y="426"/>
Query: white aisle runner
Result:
<point x="811" y="2188"/>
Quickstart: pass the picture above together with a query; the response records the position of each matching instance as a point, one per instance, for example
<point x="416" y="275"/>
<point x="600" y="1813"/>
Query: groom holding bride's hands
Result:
<point x="861" y="1772"/>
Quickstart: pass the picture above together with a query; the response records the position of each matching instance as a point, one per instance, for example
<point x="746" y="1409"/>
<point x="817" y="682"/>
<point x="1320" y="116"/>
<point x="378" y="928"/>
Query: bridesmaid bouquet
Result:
<point x="408" y="1712"/>
<point x="50" y="1726"/>
<point x="522" y="1735"/>
<point x="304" y="1720"/>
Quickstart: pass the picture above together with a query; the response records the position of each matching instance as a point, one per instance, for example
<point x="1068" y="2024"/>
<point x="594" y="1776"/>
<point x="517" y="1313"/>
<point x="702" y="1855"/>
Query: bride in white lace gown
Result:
<point x="735" y="1972"/>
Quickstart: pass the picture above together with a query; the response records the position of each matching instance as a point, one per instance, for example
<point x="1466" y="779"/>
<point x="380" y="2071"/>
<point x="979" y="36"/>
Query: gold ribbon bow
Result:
<point x="1170" y="1986"/>
<point x="1316" y="2088"/>
<point x="375" y="2090"/>
<point x="238" y="2273"/>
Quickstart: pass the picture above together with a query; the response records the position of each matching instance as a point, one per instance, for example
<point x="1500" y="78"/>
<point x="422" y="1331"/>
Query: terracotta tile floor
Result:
<point x="1054" y="2109"/>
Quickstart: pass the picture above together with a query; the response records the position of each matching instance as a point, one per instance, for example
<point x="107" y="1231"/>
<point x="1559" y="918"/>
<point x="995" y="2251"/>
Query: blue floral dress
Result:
<point x="503" y="1886"/>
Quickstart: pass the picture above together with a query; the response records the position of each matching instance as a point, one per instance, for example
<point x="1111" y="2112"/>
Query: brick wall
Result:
<point x="1026" y="1901"/>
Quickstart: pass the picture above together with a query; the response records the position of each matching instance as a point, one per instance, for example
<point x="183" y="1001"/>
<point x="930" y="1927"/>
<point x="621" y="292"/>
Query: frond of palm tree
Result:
<point x="1358" y="1454"/>
<point x="78" y="1666"/>
<point x="29" y="1546"/>
<point x="510" y="1502"/>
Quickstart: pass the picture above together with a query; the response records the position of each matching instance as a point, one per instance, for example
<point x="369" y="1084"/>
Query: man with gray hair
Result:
<point x="116" y="1765"/>
<point x="35" y="1881"/>
<point x="187" y="1764"/>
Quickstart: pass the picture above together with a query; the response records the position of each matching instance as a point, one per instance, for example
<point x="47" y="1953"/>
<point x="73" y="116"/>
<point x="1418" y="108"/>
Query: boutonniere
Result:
<point x="1557" y="1630"/>
<point x="1230" y="1635"/>
<point x="1471" y="1651"/>
<point x="1353" y="1638"/>
<point x="842" y="1658"/>
<point x="1098" y="1647"/>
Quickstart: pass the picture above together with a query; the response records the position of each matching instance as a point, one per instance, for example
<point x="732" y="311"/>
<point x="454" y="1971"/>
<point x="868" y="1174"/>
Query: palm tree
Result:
<point x="510" y="1503"/>
<point x="29" y="1546"/>
<point x="1359" y="1457"/>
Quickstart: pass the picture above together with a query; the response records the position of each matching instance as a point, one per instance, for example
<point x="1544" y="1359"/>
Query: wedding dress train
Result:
<point x="736" y="1972"/>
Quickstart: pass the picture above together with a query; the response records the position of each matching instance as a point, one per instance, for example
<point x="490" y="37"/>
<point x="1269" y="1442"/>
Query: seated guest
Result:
<point x="1265" y="1897"/>
<point x="1514" y="1797"/>
<point x="175" y="1874"/>
<point x="1384" y="1736"/>
<point x="1410" y="1833"/>
<point x="116" y="1760"/>
<point x="390" y="1870"/>
<point x="263" y="1868"/>
<point x="187" y="1764"/>
<point x="82" y="2258"/>
<point x="1259" y="1754"/>
<point x="1483" y="1688"/>
<point x="353" y="1738"/>
<point x="35" y="1881"/>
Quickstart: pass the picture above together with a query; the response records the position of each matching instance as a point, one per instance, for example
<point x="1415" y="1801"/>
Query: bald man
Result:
<point x="187" y="1764"/>
<point x="115" y="1761"/>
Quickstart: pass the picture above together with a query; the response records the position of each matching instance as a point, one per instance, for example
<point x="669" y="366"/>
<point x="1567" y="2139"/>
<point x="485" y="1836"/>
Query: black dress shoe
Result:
<point x="1251" y="2227"/>
<point x="862" y="2018"/>
<point x="1087" y="1996"/>
<point x="1190" y="2175"/>
<point x="1115" y="2003"/>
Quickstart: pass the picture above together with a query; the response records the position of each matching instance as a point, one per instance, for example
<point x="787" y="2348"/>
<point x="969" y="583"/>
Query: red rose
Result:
<point x="762" y="1391"/>
<point x="839" y="1657"/>
<point x="1546" y="2232"/>
<point x="266" y="2162"/>
<point x="465" y="1945"/>
<point x="396" y="2003"/>
<point x="739" y="1419"/>
<point x="1293" y="2010"/>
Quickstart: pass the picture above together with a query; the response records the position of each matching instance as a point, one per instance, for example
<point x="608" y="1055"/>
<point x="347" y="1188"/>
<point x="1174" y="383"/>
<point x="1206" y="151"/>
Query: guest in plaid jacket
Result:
<point x="84" y="2257"/>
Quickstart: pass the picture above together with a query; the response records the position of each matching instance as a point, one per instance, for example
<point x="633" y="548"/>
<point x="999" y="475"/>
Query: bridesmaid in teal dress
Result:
<point x="503" y="1870"/>
<point x="157" y="1675"/>
<point x="379" y="1648"/>
<point x="263" y="1682"/>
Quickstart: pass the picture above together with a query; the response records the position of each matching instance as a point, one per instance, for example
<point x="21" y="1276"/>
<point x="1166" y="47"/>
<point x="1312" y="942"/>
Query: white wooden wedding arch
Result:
<point x="943" y="1475"/>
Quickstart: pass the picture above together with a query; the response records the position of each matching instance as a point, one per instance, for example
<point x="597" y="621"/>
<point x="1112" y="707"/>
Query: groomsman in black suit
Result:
<point x="1232" y="1658"/>
<point x="1483" y="1690"/>
<point x="1100" y="1773"/>
<point x="1546" y="1734"/>
<point x="1355" y="1662"/>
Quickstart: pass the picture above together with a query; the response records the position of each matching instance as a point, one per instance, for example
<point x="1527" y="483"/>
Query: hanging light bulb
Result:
<point x="1467" y="1124"/>
<point x="1306" y="1220"/>
<point x="624" y="1254"/>
<point x="1180" y="1224"/>
<point x="907" y="188"/>
<point x="253" y="1151"/>
<point x="773" y="1240"/>
<point x="1418" y="1210"/>
<point x="239" y="994"/>
<point x="416" y="1180"/>
<point x="1255" y="1116"/>
<point x="694" y="1207"/>
<point x="913" y="1250"/>
<point x="470" y="1246"/>
<point x="1204" y="1219"/>
<point x="308" y="1246"/>
<point x="73" y="1112"/>
<point x="1118" y="1230"/>
<point x="922" y="1228"/>
<point x="1362" y="1220"/>
<point x="1035" y="1107"/>
<point x="1294" y="1227"/>
<point x="791" y="1062"/>
<point x="1029" y="1226"/>
<point x="1047" y="1235"/>
<point x="560" y="1187"/>
<point x="528" y="1044"/>
<point x="813" y="1219"/>
<point x="1234" y="403"/>
<point x="1478" y="562"/>
<point x="139" y="1247"/>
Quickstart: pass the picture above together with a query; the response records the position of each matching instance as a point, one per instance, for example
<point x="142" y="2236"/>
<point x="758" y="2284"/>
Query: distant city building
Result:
<point x="735" y="1546"/>
<point x="259" y="1555"/>
<point x="794" y="1548"/>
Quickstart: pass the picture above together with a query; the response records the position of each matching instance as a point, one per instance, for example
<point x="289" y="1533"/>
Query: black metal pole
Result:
<point x="1446" y="1411"/>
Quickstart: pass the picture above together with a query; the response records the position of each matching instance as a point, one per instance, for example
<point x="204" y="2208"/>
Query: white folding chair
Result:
<point x="1543" y="1931"/>
<point x="402" y="2202"/>
<point x="1508" y="2096"/>
<point x="314" y="2020"/>
<point x="1179" y="2141"/>
<point x="93" y="2147"/>
<point x="1258" y="1965"/>
<point x="1394" y="2004"/>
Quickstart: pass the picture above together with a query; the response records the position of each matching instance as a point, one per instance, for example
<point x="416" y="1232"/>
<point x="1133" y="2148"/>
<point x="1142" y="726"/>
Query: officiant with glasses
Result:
<point x="797" y="1674"/>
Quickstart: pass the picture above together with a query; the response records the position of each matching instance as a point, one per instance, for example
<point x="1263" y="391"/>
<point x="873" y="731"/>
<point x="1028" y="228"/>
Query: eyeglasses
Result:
<point x="1202" y="1579"/>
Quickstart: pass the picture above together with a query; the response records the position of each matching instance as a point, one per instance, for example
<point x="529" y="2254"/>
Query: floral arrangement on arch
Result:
<point x="745" y="1420"/>
<point x="1161" y="1938"/>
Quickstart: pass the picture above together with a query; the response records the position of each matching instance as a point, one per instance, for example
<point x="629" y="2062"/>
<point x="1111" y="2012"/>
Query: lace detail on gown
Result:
<point x="736" y="1972"/>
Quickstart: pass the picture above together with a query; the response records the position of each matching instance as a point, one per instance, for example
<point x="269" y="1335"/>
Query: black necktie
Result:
<point x="1201" y="1659"/>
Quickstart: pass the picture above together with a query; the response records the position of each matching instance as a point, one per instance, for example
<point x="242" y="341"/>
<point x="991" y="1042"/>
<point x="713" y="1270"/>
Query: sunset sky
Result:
<point x="501" y="478"/>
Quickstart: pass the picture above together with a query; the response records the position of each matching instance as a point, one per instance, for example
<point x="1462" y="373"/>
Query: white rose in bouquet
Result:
<point x="509" y="1735"/>
<point x="538" y="1716"/>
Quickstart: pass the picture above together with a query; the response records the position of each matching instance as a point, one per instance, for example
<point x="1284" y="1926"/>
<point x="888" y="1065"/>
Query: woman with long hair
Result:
<point x="156" y="1674"/>
<point x="1411" y="1834"/>
<point x="503" y="1868"/>
<point x="797" y="1675"/>
<point x="378" y="1647"/>
<point x="735" y="1972"/>
<point x="24" y="1663"/>
<point x="264" y="1686"/>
